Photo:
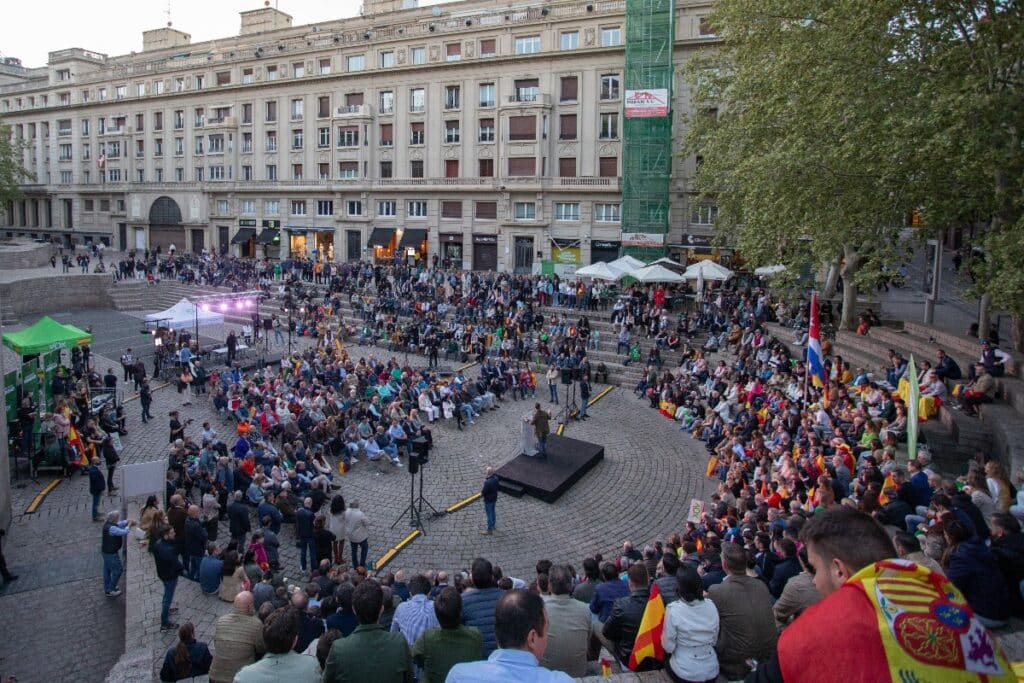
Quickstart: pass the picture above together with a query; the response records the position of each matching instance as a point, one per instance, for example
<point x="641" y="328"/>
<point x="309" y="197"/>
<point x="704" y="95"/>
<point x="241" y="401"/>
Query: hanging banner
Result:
<point x="643" y="239"/>
<point x="649" y="103"/>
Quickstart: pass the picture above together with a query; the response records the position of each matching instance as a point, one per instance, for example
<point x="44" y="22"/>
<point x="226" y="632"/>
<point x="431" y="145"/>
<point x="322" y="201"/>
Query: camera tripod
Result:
<point x="416" y="502"/>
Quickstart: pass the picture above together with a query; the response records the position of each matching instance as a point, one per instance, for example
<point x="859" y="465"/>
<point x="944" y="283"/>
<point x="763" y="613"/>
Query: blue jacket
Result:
<point x="304" y="518"/>
<point x="605" y="595"/>
<point x="97" y="483"/>
<point x="168" y="566"/>
<point x="490" y="489"/>
<point x="266" y="509"/>
<point x="195" y="537"/>
<point x="209" y="574"/>
<point x="975" y="571"/>
<point x="201" y="659"/>
<point x="478" y="612"/>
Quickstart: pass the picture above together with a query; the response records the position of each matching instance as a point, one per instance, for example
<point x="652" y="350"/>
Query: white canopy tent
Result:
<point x="766" y="271"/>
<point x="627" y="264"/>
<point x="599" y="271"/>
<point x="707" y="270"/>
<point x="655" y="273"/>
<point x="674" y="266"/>
<point x="184" y="313"/>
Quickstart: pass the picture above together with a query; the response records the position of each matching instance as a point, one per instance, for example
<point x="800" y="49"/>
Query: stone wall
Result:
<point x="54" y="293"/>
<point x="20" y="255"/>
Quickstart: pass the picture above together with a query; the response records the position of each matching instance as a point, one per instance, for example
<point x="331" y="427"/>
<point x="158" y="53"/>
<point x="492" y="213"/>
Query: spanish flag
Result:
<point x="648" y="636"/>
<point x="882" y="498"/>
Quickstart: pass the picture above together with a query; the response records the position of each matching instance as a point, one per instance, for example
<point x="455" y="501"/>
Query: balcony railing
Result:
<point x="496" y="183"/>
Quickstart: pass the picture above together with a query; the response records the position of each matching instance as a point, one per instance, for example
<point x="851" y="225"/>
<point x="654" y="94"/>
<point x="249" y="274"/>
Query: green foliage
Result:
<point x="12" y="173"/>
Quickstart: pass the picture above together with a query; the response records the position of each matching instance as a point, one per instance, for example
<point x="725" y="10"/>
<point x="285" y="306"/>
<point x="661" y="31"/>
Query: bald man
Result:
<point x="489" y="492"/>
<point x="194" y="546"/>
<point x="237" y="640"/>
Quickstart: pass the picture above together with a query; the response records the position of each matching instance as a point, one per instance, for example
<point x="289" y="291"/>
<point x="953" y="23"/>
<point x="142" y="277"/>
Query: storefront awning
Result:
<point x="243" y="235"/>
<point x="380" y="237"/>
<point x="412" y="237"/>
<point x="308" y="228"/>
<point x="269" y="236"/>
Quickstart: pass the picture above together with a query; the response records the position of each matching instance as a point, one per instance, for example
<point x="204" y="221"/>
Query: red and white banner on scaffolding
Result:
<point x="648" y="103"/>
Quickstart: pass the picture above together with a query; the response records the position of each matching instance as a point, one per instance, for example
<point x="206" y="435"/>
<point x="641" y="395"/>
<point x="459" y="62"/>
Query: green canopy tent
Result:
<point x="45" y="335"/>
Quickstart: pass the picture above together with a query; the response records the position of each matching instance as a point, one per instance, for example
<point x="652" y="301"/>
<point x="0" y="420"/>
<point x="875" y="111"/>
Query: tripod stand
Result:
<point x="416" y="502"/>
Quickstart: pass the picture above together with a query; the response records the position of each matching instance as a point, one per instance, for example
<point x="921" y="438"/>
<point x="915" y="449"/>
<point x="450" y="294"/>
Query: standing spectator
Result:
<point x="97" y="485"/>
<point x="439" y="649"/>
<point x="478" y="605"/>
<point x="553" y="375"/>
<point x="145" y="399"/>
<point x="271" y="544"/>
<point x="336" y="524"/>
<point x="114" y="531"/>
<point x="168" y="569"/>
<point x="238" y="519"/>
<point x="489" y="492"/>
<point x="237" y="639"/>
<point x="624" y="621"/>
<point x="522" y="637"/>
<point x="304" y="531"/>
<point x="127" y="363"/>
<point x="690" y="630"/>
<point x="196" y="538"/>
<point x="357" y="527"/>
<point x="747" y="625"/>
<point x="569" y="625"/>
<point x="323" y="540"/>
<point x="188" y="659"/>
<point x="369" y="653"/>
<point x="232" y="346"/>
<point x="281" y="663"/>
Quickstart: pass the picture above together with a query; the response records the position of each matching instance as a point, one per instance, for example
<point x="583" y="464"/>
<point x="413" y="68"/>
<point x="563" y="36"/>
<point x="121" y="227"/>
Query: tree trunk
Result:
<point x="984" y="315"/>
<point x="1017" y="331"/>
<point x="831" y="278"/>
<point x="848" y="271"/>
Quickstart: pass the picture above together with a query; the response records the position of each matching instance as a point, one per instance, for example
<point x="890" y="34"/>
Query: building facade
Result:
<point x="488" y="137"/>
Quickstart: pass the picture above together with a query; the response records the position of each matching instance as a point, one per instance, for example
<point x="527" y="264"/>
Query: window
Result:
<point x="247" y="112"/>
<point x="298" y="207"/>
<point x="386" y="169"/>
<point x="271" y="171"/>
<point x="324" y="207"/>
<point x="246" y="143"/>
<point x="416" y="134"/>
<point x="353" y="101"/>
<point x="487" y="94"/>
<point x="606" y="213"/>
<point x="158" y="120"/>
<point x="271" y="111"/>
<point x="87" y="205"/>
<point x="297" y="138"/>
<point x="353" y="207"/>
<point x="522" y="128"/>
<point x="387" y="207"/>
<point x="198" y="148"/>
<point x="63" y="74"/>
<point x="527" y="90"/>
<point x="179" y="119"/>
<point x="486" y="168"/>
<point x="158" y="87"/>
<point x="417" y="100"/>
<point x="271" y="207"/>
<point x="105" y="205"/>
<point x="64" y="127"/>
<point x="610" y="86"/>
<point x="120" y="92"/>
<point x="158" y="147"/>
<point x="452" y="96"/>
<point x="323" y="170"/>
<point x="348" y="169"/>
<point x="608" y="167"/>
<point x="451" y="168"/>
<point x="387" y="135"/>
<point x="486" y="130"/>
<point x="323" y="107"/>
<point x="416" y="168"/>
<point x="348" y="136"/>
<point x="272" y="73"/>
<point x="522" y="166"/>
<point x="355" y="63"/>
<point x="527" y="45"/>
<point x="704" y="28"/>
<point x="179" y="175"/>
<point x="299" y="69"/>
<point x="199" y="117"/>
<point x="386" y="59"/>
<point x="271" y="141"/>
<point x="451" y="209"/>
<point x="200" y="82"/>
<point x="247" y="207"/>
<point x="297" y="172"/>
<point x="703" y="214"/>
<point x="418" y="55"/>
<point x="67" y="177"/>
<point x="609" y="126"/>
<point x="567" y="167"/>
<point x="85" y="128"/>
<point x="569" y="89"/>
<point x="570" y="40"/>
<point x="485" y="210"/>
<point x="567" y="211"/>
<point x="387" y="102"/>
<point x="298" y="109"/>
<point x="525" y="211"/>
<point x="248" y="76"/>
<point x="453" y="52"/>
<point x="102" y="94"/>
<point x="216" y="145"/>
<point x="451" y="132"/>
<point x="323" y="140"/>
<point x="223" y="77"/>
<point x="246" y="172"/>
<point x="223" y="207"/>
<point x="611" y="36"/>
<point x="417" y="209"/>
<point x="567" y="127"/>
<point x="488" y="47"/>
<point x="114" y="175"/>
<point x="179" y="147"/>
<point x="324" y="66"/>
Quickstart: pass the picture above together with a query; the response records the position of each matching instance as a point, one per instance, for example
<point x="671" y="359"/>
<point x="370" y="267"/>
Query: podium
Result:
<point x="528" y="440"/>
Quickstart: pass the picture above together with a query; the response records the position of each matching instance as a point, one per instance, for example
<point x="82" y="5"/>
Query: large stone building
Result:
<point x="488" y="135"/>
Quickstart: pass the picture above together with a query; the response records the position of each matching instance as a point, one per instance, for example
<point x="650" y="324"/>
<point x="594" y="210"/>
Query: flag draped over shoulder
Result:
<point x="648" y="636"/>
<point x="815" y="360"/>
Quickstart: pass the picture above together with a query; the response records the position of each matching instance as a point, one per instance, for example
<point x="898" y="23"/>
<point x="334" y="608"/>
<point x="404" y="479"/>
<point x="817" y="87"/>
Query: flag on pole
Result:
<point x="887" y="484"/>
<point x="648" y="636"/>
<point x="815" y="360"/>
<point x="913" y="401"/>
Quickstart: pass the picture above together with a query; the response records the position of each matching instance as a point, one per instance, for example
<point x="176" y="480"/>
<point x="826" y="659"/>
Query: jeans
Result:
<point x="193" y="566"/>
<point x="96" y="504"/>
<point x="913" y="520"/>
<point x="583" y="406"/>
<point x="359" y="559"/>
<point x="307" y="544"/>
<point x="489" y="510"/>
<point x="553" y="388"/>
<point x="542" y="445"/>
<point x="165" y="607"/>
<point x="112" y="570"/>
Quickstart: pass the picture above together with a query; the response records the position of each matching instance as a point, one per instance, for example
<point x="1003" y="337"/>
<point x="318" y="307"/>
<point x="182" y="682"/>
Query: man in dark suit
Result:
<point x="786" y="569"/>
<point x="746" y="623"/>
<point x="238" y="519"/>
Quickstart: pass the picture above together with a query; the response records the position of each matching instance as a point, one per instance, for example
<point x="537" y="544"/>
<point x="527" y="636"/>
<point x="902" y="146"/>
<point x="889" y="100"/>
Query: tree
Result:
<point x="839" y="118"/>
<point x="12" y="172"/>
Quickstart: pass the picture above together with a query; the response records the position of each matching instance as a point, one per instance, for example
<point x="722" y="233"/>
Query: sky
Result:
<point x="30" y="30"/>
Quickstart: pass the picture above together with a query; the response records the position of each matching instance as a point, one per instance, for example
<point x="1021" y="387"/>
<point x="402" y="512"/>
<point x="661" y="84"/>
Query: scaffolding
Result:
<point x="646" y="136"/>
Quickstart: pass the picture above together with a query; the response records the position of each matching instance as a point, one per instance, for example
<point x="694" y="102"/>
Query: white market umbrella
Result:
<point x="655" y="273"/>
<point x="627" y="264"/>
<point x="674" y="266"/>
<point x="600" y="271"/>
<point x="766" y="271"/>
<point x="707" y="270"/>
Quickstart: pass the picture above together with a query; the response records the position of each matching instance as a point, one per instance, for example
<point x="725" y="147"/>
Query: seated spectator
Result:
<point x="437" y="650"/>
<point x="569" y="625"/>
<point x="209" y="570"/>
<point x="281" y="663"/>
<point x="690" y="631"/>
<point x="370" y="653"/>
<point x="187" y="659"/>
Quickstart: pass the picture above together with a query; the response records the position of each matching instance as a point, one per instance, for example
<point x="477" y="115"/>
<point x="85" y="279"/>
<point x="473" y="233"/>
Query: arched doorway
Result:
<point x="165" y="226"/>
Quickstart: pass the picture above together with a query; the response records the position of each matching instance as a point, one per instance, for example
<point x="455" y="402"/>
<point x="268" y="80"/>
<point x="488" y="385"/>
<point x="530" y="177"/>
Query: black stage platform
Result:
<point x="548" y="478"/>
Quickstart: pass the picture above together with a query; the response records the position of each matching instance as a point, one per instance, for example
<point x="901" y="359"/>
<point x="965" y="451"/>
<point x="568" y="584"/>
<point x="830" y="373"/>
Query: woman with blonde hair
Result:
<point x="998" y="485"/>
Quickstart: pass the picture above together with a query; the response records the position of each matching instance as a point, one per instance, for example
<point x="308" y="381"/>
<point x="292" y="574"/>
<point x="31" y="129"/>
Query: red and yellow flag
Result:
<point x="888" y="483"/>
<point x="648" y="636"/>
